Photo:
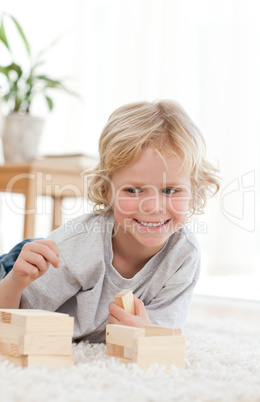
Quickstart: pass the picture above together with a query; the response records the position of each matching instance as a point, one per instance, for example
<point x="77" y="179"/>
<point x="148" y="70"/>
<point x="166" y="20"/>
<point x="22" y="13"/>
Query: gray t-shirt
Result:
<point x="86" y="282"/>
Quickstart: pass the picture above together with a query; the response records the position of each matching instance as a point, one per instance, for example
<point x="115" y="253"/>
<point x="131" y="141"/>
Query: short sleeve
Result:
<point x="52" y="289"/>
<point x="171" y="305"/>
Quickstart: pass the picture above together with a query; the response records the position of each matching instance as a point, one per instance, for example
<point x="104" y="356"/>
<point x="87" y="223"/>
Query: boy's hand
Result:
<point x="33" y="261"/>
<point x="119" y="316"/>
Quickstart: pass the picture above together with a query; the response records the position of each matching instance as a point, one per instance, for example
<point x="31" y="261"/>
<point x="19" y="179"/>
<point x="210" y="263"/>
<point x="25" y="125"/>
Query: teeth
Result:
<point x="150" y="224"/>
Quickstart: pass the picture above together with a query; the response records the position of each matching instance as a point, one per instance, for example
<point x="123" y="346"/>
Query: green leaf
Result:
<point x="49" y="101"/>
<point x="12" y="67"/>
<point x="17" y="68"/>
<point x="50" y="83"/>
<point x="5" y="71"/>
<point x="3" y="37"/>
<point x="22" y="35"/>
<point x="48" y="80"/>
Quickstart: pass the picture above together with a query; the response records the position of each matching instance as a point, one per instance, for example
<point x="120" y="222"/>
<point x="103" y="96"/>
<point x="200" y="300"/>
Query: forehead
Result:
<point x="153" y="167"/>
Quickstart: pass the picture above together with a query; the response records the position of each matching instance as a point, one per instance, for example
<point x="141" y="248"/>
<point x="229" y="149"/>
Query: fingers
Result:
<point x="141" y="312"/>
<point x="117" y="311"/>
<point x="120" y="313"/>
<point x="33" y="261"/>
<point x="120" y="316"/>
<point x="49" y="243"/>
<point x="27" y="269"/>
<point x="41" y="253"/>
<point x="139" y="308"/>
<point x="30" y="257"/>
<point x="112" y="320"/>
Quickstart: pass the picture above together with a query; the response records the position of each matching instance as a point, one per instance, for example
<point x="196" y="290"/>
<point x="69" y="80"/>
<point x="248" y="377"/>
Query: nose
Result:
<point x="152" y="203"/>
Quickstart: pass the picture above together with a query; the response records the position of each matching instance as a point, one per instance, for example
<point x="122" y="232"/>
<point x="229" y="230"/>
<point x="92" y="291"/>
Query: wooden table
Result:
<point x="58" y="177"/>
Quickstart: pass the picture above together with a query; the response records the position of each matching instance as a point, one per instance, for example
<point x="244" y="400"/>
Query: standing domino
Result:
<point x="125" y="299"/>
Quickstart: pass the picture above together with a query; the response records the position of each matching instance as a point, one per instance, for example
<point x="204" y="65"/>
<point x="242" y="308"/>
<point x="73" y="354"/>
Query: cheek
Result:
<point x="127" y="206"/>
<point x="179" y="206"/>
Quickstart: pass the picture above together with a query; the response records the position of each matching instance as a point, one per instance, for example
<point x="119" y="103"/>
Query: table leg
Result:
<point x="30" y="209"/>
<point x="56" y="214"/>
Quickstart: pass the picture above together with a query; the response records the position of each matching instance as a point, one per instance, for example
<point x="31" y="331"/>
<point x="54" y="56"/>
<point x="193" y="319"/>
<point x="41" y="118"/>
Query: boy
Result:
<point x="152" y="176"/>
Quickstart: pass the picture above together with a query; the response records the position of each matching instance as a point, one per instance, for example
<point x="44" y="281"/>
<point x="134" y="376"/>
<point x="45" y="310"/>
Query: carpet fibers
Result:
<point x="224" y="366"/>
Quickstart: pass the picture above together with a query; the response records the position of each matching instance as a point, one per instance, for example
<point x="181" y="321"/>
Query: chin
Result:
<point x="152" y="242"/>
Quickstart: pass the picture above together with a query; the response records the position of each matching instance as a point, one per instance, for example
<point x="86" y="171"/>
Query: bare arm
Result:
<point x="10" y="295"/>
<point x="33" y="261"/>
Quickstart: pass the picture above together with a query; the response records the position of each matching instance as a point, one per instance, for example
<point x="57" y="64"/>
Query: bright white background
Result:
<point x="203" y="53"/>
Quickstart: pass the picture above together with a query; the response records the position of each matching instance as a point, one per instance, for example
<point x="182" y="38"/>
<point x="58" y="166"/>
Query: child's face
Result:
<point x="151" y="198"/>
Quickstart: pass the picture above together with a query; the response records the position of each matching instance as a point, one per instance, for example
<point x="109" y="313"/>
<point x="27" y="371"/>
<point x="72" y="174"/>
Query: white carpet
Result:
<point x="224" y="360"/>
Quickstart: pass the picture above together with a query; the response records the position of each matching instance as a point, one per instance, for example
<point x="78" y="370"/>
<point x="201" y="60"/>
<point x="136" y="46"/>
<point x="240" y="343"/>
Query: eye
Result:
<point x="170" y="190"/>
<point x="133" y="190"/>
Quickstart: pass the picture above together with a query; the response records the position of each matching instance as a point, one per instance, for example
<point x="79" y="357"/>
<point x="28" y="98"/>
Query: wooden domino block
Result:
<point x="125" y="299"/>
<point x="164" y="351"/>
<point x="9" y="348"/>
<point x="156" y="330"/>
<point x="29" y="337"/>
<point x="37" y="321"/>
<point x="37" y="360"/>
<point x="119" y="340"/>
<point x="122" y="335"/>
<point x="115" y="350"/>
<point x="145" y="346"/>
<point x="36" y="345"/>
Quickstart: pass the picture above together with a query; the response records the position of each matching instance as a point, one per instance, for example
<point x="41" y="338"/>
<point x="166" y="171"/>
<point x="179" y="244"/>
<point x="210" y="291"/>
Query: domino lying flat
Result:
<point x="145" y="346"/>
<point x="31" y="337"/>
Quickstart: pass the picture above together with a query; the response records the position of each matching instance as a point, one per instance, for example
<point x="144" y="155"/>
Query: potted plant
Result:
<point x="19" y="87"/>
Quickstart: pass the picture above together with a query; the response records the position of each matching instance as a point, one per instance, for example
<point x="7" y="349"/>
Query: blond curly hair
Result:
<point x="163" y="125"/>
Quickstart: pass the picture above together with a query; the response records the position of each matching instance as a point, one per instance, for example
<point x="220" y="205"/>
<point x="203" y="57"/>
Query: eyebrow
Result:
<point x="141" y="184"/>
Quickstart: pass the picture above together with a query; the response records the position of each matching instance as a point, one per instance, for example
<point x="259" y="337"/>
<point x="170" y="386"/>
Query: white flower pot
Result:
<point x="21" y="137"/>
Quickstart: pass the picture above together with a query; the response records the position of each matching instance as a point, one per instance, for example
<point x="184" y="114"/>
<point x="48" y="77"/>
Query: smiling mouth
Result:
<point x="152" y="224"/>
